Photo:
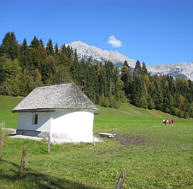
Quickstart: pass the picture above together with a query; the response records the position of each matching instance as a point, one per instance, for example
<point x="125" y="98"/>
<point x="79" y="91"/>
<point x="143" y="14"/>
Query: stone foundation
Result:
<point x="41" y="134"/>
<point x="58" y="137"/>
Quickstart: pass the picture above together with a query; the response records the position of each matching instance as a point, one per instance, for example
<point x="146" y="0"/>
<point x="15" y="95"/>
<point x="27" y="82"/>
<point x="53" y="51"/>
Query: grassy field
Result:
<point x="153" y="156"/>
<point x="6" y="105"/>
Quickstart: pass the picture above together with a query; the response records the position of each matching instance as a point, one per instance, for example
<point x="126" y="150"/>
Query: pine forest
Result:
<point x="24" y="67"/>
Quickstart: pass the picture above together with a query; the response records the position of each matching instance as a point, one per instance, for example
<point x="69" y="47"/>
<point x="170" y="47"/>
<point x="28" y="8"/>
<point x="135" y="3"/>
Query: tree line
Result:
<point x="24" y="67"/>
<point x="173" y="96"/>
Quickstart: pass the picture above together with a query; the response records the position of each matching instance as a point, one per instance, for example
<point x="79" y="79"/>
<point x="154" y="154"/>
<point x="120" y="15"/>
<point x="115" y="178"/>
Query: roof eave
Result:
<point x="33" y="110"/>
<point x="95" y="110"/>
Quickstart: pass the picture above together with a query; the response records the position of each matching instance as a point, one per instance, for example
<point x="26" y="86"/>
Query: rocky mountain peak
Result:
<point x="84" y="51"/>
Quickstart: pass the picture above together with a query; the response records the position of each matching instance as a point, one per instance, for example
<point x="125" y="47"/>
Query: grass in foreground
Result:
<point x="164" y="160"/>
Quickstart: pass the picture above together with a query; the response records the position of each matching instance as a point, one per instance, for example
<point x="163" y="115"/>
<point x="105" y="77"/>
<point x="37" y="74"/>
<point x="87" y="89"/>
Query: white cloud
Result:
<point x="114" y="42"/>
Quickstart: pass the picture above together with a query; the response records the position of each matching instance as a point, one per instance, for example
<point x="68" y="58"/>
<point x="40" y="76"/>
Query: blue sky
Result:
<point x="152" y="31"/>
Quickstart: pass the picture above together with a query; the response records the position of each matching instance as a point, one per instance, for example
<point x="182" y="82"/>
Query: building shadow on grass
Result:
<point x="32" y="179"/>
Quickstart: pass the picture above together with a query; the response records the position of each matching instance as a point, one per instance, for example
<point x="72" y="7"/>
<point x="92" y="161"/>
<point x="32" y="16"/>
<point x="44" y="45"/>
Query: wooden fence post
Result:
<point x="49" y="143"/>
<point x="2" y="137"/>
<point x="1" y="143"/>
<point x="121" y="180"/>
<point x="23" y="158"/>
<point x="113" y="133"/>
<point x="93" y="141"/>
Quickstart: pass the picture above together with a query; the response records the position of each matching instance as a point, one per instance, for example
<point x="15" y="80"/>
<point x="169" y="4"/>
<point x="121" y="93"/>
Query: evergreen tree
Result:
<point x="56" y="49"/>
<point x="144" y="69"/>
<point x="3" y="71"/>
<point x="35" y="43"/>
<point x="64" y="49"/>
<point x="61" y="75"/>
<point x="24" y="58"/>
<point x="136" y="90"/>
<point x="9" y="46"/>
<point x="126" y="77"/>
<point x="41" y="43"/>
<point x="125" y="72"/>
<point x="151" y="104"/>
<point x="49" y="48"/>
<point x="137" y="69"/>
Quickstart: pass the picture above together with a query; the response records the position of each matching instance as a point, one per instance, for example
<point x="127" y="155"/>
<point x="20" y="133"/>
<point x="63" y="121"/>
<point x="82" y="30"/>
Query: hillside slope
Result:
<point x="7" y="103"/>
<point x="127" y="115"/>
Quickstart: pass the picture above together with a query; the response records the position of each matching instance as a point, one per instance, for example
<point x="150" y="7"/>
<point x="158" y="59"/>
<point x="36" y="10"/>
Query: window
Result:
<point x="35" y="119"/>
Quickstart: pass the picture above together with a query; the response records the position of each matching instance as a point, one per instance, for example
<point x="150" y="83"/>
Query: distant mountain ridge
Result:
<point x="84" y="51"/>
<point x="182" y="69"/>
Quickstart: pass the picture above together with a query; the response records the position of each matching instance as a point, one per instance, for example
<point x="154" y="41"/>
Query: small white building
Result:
<point x="61" y="111"/>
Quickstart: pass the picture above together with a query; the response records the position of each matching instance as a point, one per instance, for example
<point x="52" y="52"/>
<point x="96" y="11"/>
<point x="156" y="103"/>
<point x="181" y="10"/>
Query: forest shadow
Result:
<point x="34" y="179"/>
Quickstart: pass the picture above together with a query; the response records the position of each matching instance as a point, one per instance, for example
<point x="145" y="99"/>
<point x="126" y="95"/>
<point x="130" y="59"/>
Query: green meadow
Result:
<point x="151" y="154"/>
<point x="6" y="105"/>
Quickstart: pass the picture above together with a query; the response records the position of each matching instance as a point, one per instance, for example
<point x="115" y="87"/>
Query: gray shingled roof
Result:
<point x="49" y="98"/>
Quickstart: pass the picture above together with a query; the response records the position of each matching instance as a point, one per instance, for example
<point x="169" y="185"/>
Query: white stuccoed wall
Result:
<point x="68" y="126"/>
<point x="72" y="126"/>
<point x="25" y="121"/>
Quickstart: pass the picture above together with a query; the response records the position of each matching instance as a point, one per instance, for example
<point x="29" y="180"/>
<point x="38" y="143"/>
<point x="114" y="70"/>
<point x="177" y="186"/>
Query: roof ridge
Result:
<point x="54" y="85"/>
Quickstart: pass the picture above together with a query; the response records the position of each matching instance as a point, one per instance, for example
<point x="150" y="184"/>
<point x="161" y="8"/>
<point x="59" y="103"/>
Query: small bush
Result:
<point x="181" y="113"/>
<point x="117" y="104"/>
<point x="186" y="115"/>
